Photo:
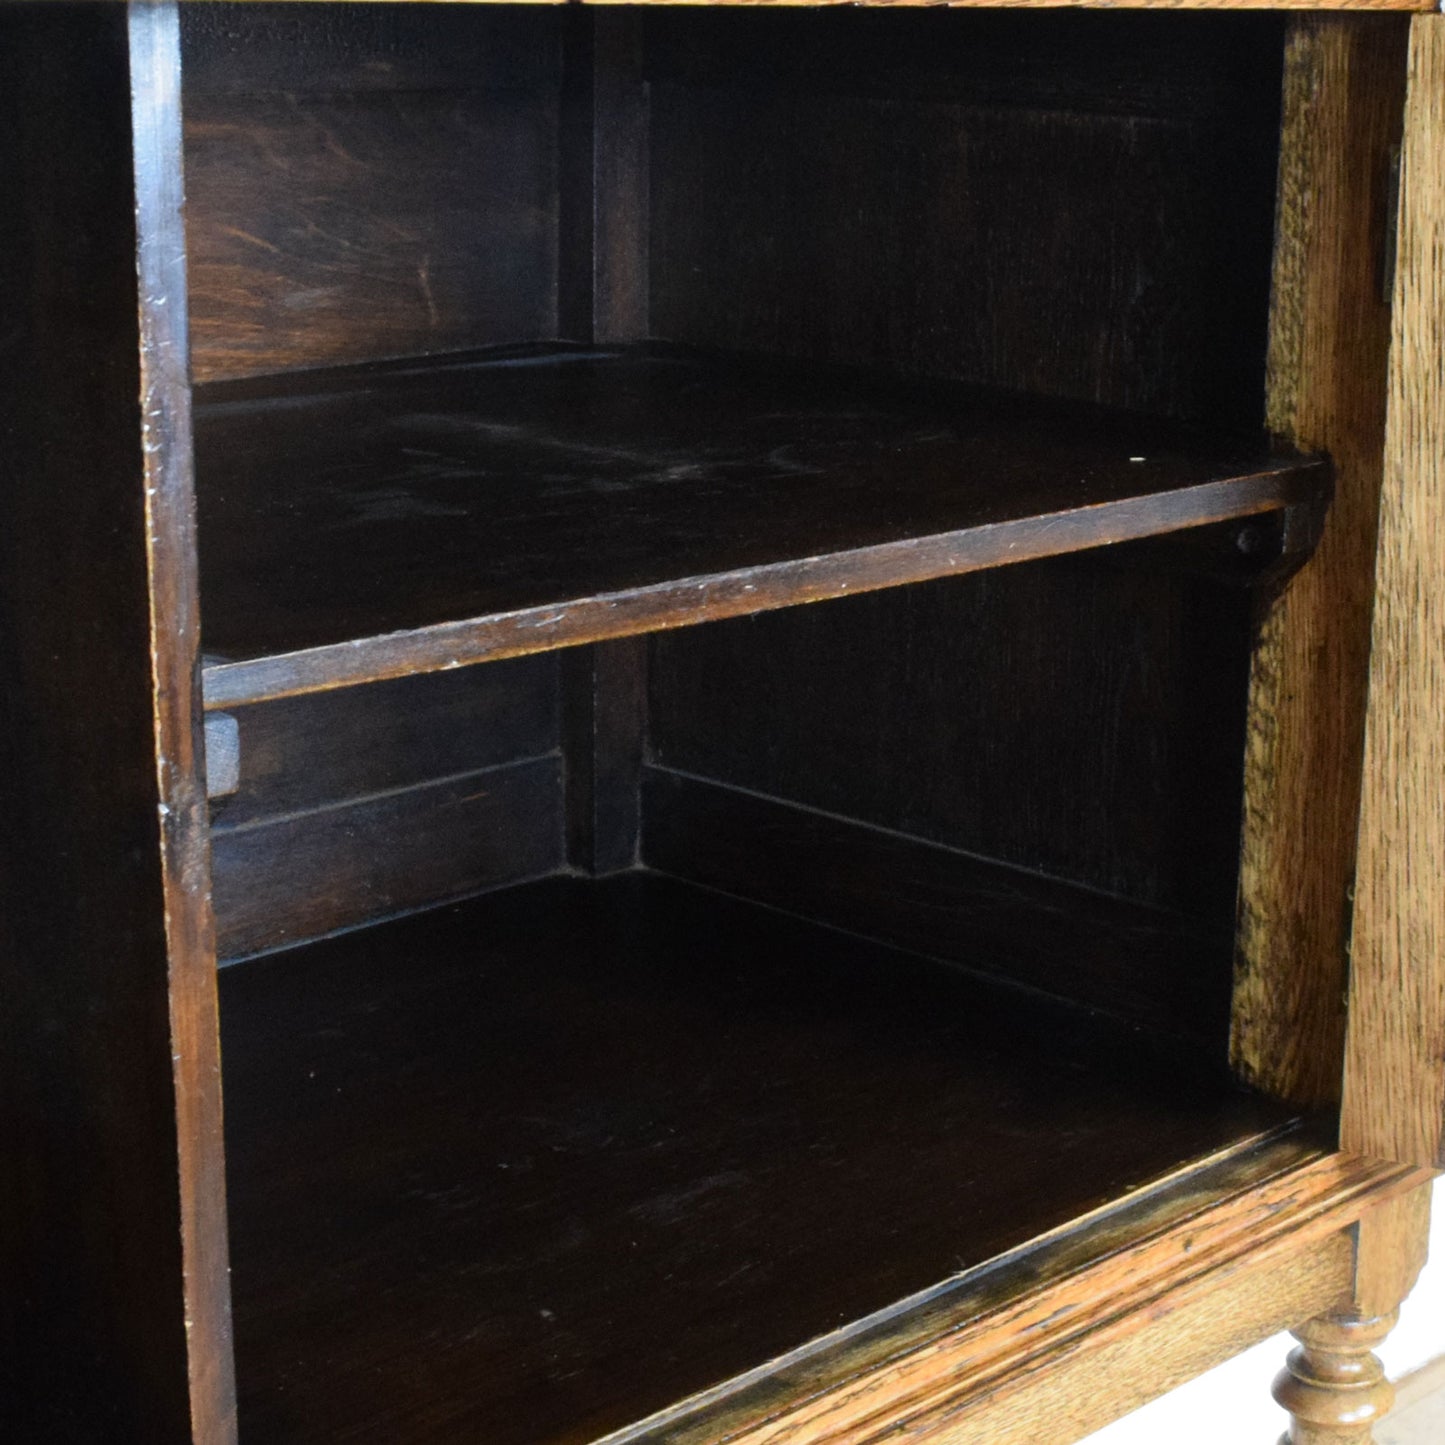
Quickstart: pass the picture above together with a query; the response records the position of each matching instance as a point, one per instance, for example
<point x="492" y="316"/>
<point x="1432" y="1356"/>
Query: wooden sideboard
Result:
<point x="793" y="659"/>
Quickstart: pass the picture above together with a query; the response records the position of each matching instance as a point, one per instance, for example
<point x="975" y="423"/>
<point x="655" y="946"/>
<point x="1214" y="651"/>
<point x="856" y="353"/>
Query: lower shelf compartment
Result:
<point x="533" y="1167"/>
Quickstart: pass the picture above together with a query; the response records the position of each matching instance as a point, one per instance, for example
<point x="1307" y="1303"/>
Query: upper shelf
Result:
<point x="371" y="521"/>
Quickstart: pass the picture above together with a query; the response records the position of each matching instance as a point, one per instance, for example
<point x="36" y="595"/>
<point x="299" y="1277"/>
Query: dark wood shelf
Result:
<point x="529" y="1168"/>
<point x="371" y="521"/>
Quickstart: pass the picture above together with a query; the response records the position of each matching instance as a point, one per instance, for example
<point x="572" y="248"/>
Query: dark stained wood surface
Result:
<point x="1072" y="205"/>
<point x="1189" y="66"/>
<point x="359" y="804"/>
<point x="604" y="208"/>
<point x="113" y="1286"/>
<point x="258" y="47"/>
<point x="306" y="874"/>
<point x="178" y="719"/>
<point x="528" y="1168"/>
<point x="604" y="738"/>
<point x="1151" y="968"/>
<point x="330" y="748"/>
<point x="1071" y="717"/>
<point x="1233" y="6"/>
<point x="366" y="183"/>
<point x="372" y="521"/>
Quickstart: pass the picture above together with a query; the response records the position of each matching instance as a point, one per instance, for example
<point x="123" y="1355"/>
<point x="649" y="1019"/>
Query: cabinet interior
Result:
<point x="638" y="976"/>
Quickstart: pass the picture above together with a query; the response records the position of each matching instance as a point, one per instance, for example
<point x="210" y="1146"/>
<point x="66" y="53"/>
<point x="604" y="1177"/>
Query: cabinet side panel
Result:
<point x="113" y="1291"/>
<point x="1395" y="1056"/>
<point x="1329" y="339"/>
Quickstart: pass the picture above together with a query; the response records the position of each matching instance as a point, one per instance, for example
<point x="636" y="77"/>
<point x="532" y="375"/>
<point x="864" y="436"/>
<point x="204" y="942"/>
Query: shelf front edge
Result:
<point x="788" y="582"/>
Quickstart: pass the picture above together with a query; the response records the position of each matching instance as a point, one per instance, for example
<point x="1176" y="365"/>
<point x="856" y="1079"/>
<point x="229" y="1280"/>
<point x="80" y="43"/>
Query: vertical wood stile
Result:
<point x="1395" y="1056"/>
<point x="603" y="294"/>
<point x="605" y="737"/>
<point x="113" y="1292"/>
<point x="1329" y="340"/>
<point x="604" y="177"/>
<point x="620" y="179"/>
<point x="175" y="624"/>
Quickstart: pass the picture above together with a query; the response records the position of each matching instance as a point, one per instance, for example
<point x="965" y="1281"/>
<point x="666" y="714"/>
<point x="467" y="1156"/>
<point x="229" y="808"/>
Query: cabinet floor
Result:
<point x="529" y="1168"/>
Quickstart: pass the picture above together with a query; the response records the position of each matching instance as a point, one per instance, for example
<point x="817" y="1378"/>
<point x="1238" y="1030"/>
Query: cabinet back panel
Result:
<point x="366" y="185"/>
<point x="1155" y="968"/>
<point x="1034" y="771"/>
<point x="1059" y="716"/>
<point x="1075" y="205"/>
<point x="361" y="803"/>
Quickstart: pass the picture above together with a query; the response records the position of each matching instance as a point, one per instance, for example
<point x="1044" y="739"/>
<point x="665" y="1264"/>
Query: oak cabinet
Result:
<point x="758" y="685"/>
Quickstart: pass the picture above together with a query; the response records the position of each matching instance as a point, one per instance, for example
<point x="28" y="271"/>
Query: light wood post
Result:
<point x="1394" y="1096"/>
<point x="1329" y="341"/>
<point x="1334" y="1385"/>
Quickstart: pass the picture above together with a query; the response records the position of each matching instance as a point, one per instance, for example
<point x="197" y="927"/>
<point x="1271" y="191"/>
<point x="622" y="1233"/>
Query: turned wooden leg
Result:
<point x="1333" y="1386"/>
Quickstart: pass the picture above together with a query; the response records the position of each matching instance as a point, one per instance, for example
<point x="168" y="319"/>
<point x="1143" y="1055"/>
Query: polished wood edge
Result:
<point x="1333" y="1386"/>
<point x="1007" y="1323"/>
<point x="684" y="601"/>
<point x="175" y="626"/>
<point x="1224" y="5"/>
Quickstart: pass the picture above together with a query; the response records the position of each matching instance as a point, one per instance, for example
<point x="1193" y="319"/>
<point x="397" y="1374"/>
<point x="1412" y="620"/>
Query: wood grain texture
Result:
<point x="360" y="523"/>
<point x="362" y="803"/>
<point x="1392" y="1242"/>
<point x="327" y="748"/>
<point x="1333" y="1386"/>
<point x="1123" y="1367"/>
<point x="1395" y="1058"/>
<point x="1067" y="205"/>
<point x="528" y="1169"/>
<point x="605" y="732"/>
<point x="1084" y="1344"/>
<point x="1365" y="5"/>
<point x="1078" y="717"/>
<point x="113" y="1302"/>
<point x="275" y="47"/>
<point x="1236" y="5"/>
<point x="322" y="870"/>
<point x="1151" y="968"/>
<point x="166" y="441"/>
<point x="382" y="187"/>
<point x="604" y="169"/>
<point x="1328" y="346"/>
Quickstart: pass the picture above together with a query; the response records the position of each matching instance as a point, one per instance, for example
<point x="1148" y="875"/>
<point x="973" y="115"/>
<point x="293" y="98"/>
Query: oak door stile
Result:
<point x="1394" y="1095"/>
